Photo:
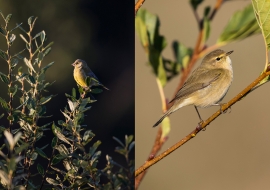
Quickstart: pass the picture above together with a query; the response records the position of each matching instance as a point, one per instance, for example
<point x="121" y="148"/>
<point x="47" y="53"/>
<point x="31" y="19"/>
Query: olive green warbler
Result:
<point x="207" y="84"/>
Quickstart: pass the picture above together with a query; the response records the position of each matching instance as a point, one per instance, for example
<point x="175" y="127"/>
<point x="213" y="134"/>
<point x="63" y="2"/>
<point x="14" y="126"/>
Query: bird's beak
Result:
<point x="228" y="53"/>
<point x="73" y="64"/>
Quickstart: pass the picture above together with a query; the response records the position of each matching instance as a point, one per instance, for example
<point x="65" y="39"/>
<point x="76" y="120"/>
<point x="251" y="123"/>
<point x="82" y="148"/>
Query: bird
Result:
<point x="207" y="84"/>
<point x="81" y="72"/>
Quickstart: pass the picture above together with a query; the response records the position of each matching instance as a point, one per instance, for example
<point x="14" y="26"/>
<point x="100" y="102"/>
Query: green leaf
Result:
<point x="34" y="156"/>
<point x="17" y="26"/>
<point x="166" y="127"/>
<point x="56" y="159"/>
<point x="2" y="115"/>
<point x="93" y="149"/>
<point x="21" y="28"/>
<point x="40" y="169"/>
<point x="44" y="100"/>
<point x="31" y="79"/>
<point x="62" y="149"/>
<point x="30" y="20"/>
<point x="8" y="18"/>
<point x="262" y="11"/>
<point x="47" y="51"/>
<point x="117" y="140"/>
<point x="12" y="37"/>
<point x="23" y="38"/>
<point x="22" y="76"/>
<point x="14" y="62"/>
<point x="21" y="147"/>
<point x="4" y="104"/>
<point x="3" y="55"/>
<point x="41" y="153"/>
<point x="42" y="36"/>
<point x="128" y="139"/>
<point x="73" y="92"/>
<point x="10" y="118"/>
<point x="182" y="55"/>
<point x="13" y="90"/>
<point x="52" y="181"/>
<point x="88" y="135"/>
<point x="44" y="69"/>
<point x="195" y="3"/>
<point x="4" y="78"/>
<point x="147" y="27"/>
<point x="96" y="90"/>
<point x="206" y="27"/>
<point x="132" y="144"/>
<point x="54" y="142"/>
<point x="241" y="25"/>
<point x="49" y="45"/>
<point x="3" y="31"/>
<point x="29" y="64"/>
<point x="40" y="56"/>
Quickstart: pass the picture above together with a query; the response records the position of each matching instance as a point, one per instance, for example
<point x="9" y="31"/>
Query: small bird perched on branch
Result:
<point x="207" y="84"/>
<point x="82" y="72"/>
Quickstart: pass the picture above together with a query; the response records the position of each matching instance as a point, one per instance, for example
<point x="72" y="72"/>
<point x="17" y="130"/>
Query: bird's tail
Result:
<point x="167" y="113"/>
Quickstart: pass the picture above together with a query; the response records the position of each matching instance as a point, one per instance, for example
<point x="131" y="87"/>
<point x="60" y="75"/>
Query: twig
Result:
<point x="138" y="5"/>
<point x="203" y="125"/>
<point x="217" y="6"/>
<point x="158" y="144"/>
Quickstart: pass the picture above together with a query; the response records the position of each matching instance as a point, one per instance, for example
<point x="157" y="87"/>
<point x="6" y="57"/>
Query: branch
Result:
<point x="156" y="148"/>
<point x="138" y="5"/>
<point x="217" y="6"/>
<point x="203" y="124"/>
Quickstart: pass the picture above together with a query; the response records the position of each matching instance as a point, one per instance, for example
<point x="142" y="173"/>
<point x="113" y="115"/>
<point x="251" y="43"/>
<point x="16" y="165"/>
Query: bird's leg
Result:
<point x="199" y="127"/>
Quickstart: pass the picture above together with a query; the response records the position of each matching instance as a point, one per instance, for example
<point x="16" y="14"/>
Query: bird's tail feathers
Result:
<point x="167" y="113"/>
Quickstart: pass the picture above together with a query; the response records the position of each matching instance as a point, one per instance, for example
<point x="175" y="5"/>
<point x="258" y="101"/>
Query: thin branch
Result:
<point x="217" y="6"/>
<point x="203" y="125"/>
<point x="138" y="5"/>
<point x="158" y="144"/>
<point x="197" y="18"/>
<point x="162" y="95"/>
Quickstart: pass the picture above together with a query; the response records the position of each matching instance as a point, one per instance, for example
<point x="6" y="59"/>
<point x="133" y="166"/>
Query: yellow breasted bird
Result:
<point x="81" y="72"/>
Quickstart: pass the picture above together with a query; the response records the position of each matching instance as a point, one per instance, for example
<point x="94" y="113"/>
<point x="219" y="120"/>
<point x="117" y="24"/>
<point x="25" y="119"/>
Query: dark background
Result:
<point x="100" y="32"/>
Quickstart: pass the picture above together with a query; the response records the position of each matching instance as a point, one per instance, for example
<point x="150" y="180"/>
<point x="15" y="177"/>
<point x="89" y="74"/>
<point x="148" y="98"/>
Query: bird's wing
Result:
<point x="197" y="82"/>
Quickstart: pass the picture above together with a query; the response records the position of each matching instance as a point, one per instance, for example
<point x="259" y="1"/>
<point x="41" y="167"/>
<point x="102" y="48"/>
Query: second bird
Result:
<point x="81" y="72"/>
<point x="207" y="84"/>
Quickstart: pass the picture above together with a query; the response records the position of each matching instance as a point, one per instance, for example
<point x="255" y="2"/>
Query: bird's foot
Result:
<point x="199" y="127"/>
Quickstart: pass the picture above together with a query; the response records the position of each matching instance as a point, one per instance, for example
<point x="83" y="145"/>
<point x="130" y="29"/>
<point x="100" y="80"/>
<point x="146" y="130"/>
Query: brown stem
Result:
<point x="138" y="5"/>
<point x="217" y="6"/>
<point x="203" y="125"/>
<point x="156" y="148"/>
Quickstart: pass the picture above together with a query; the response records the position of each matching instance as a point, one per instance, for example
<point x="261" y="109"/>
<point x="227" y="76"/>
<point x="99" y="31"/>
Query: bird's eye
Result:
<point x="218" y="58"/>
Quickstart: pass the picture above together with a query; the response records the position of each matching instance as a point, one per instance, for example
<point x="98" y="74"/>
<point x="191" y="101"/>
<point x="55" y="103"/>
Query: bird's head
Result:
<point x="217" y="59"/>
<point x="79" y="63"/>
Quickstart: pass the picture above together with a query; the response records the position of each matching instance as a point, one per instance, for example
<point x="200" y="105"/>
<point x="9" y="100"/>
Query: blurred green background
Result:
<point x="234" y="151"/>
<point x="100" y="32"/>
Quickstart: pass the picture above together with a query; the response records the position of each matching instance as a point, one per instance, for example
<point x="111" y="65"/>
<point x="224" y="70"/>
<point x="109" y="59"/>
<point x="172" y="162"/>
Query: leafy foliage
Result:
<point x="147" y="26"/>
<point x="73" y="154"/>
<point x="261" y="10"/>
<point x="241" y="25"/>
